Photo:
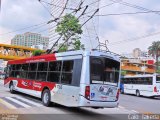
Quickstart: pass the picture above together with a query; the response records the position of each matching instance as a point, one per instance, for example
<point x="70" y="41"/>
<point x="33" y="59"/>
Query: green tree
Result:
<point x="63" y="48"/>
<point x="123" y="73"/>
<point x="70" y="26"/>
<point x="77" y="44"/>
<point x="37" y="52"/>
<point x="154" y="50"/>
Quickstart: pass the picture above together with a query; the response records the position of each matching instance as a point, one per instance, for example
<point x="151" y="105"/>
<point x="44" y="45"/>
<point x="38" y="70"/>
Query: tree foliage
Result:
<point x="123" y="73"/>
<point x="69" y="27"/>
<point x="77" y="44"/>
<point x="37" y="52"/>
<point x="154" y="50"/>
<point x="63" y="48"/>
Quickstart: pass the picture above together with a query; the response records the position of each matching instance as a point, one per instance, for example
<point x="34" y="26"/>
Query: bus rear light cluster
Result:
<point x="155" y="89"/>
<point x="87" y="92"/>
<point x="118" y="92"/>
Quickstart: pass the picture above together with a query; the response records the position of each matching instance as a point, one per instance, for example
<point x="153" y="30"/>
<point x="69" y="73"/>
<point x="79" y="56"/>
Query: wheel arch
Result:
<point x="11" y="82"/>
<point x="44" y="89"/>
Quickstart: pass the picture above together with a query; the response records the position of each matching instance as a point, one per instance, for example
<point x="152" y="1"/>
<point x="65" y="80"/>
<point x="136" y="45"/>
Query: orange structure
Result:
<point x="137" y="66"/>
<point x="12" y="52"/>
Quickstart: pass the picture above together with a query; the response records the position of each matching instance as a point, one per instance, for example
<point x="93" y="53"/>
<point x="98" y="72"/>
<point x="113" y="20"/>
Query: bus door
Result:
<point x="104" y="75"/>
<point x="70" y="81"/>
<point x="157" y="84"/>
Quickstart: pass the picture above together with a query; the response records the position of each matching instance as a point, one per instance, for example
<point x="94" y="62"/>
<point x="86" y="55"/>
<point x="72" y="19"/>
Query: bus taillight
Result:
<point x="87" y="92"/>
<point x="155" y="89"/>
<point x="118" y="92"/>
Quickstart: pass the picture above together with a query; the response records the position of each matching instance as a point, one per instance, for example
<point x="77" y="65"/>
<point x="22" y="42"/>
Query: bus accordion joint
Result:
<point x="87" y="92"/>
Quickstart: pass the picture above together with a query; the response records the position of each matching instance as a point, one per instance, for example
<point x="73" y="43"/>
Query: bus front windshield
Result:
<point x="104" y="70"/>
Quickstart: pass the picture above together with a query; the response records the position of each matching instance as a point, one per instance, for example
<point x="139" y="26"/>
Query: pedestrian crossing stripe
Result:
<point x="8" y="105"/>
<point x="29" y="101"/>
<point x="18" y="102"/>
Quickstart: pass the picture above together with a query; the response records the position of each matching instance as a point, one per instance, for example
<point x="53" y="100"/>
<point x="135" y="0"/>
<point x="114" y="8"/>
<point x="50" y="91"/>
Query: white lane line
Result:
<point x="29" y="101"/>
<point x="134" y="111"/>
<point x="7" y="104"/>
<point x="18" y="102"/>
<point x="121" y="107"/>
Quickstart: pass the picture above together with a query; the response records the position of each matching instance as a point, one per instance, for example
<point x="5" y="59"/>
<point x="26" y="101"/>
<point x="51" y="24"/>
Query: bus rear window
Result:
<point x="104" y="70"/>
<point x="158" y="78"/>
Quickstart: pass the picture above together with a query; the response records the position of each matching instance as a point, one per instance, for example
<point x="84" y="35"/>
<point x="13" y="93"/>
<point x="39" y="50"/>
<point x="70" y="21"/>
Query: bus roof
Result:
<point x="54" y="56"/>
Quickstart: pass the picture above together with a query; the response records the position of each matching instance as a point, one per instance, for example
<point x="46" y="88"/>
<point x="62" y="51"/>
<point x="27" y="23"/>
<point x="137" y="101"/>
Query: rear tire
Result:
<point x="11" y="88"/>
<point x="137" y="93"/>
<point x="46" y="98"/>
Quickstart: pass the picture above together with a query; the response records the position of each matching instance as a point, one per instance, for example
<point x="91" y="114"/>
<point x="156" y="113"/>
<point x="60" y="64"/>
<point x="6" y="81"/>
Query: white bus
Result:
<point x="73" y="79"/>
<point x="145" y="85"/>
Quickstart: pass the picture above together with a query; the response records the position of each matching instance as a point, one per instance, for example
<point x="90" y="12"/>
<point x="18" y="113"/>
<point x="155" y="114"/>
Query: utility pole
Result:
<point x="0" y="6"/>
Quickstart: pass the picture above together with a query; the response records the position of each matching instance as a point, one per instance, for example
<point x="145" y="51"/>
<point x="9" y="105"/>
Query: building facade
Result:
<point x="29" y="39"/>
<point x="133" y="66"/>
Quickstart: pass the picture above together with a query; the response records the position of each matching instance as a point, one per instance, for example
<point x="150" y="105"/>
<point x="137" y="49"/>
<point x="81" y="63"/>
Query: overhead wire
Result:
<point x="24" y="28"/>
<point x="131" y="13"/>
<point x="58" y="6"/>
<point x="135" y="38"/>
<point x="61" y="35"/>
<point x="133" y="6"/>
<point x="81" y="26"/>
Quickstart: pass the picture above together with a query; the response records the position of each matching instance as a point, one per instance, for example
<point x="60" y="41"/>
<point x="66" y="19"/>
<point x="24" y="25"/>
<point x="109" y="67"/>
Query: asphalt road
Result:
<point x="29" y="108"/>
<point x="140" y="104"/>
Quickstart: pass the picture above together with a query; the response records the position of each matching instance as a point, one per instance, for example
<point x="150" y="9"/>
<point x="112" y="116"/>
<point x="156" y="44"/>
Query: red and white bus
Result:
<point x="73" y="78"/>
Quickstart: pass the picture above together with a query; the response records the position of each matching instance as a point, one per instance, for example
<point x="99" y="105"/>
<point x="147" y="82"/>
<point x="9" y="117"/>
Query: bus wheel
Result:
<point x="11" y="87"/>
<point x="46" y="97"/>
<point x="137" y="93"/>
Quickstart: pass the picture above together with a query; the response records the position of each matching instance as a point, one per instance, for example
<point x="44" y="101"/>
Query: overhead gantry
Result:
<point x="13" y="52"/>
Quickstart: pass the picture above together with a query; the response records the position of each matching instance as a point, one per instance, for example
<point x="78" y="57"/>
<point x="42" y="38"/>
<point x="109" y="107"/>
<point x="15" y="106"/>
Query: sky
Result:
<point x="118" y="30"/>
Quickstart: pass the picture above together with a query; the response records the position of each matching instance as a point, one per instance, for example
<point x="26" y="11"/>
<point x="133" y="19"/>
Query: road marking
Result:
<point x="18" y="102"/>
<point x="29" y="101"/>
<point x="7" y="104"/>
<point x="121" y="107"/>
<point x="134" y="111"/>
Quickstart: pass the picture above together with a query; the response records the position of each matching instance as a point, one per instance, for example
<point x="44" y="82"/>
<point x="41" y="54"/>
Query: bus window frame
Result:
<point x="107" y="83"/>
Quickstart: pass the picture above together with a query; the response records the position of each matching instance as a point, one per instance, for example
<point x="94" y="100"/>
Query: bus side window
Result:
<point x="128" y="81"/>
<point x="32" y="71"/>
<point x="124" y="80"/>
<point x="132" y="81"/>
<point x="77" y="68"/>
<point x="149" y="81"/>
<point x="54" y="71"/>
<point x="24" y="71"/>
<point x="138" y="80"/>
<point x="67" y="71"/>
<point x="42" y="71"/>
<point x="17" y="70"/>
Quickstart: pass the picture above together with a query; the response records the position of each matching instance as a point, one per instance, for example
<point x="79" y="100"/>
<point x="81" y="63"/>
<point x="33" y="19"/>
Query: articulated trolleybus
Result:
<point x="73" y="78"/>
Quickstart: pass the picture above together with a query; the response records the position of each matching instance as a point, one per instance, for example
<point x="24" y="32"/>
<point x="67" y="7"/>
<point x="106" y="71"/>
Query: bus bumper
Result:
<point x="157" y="94"/>
<point x="87" y="103"/>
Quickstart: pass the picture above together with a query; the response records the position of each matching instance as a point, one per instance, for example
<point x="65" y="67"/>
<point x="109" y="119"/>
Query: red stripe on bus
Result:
<point x="42" y="58"/>
<point x="34" y="85"/>
<point x="31" y="84"/>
